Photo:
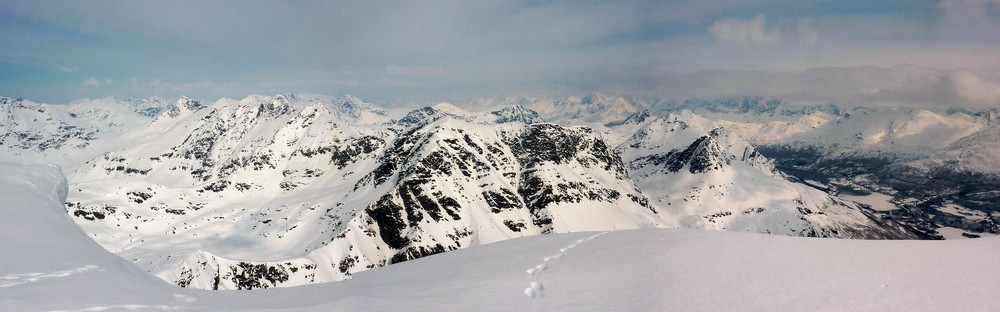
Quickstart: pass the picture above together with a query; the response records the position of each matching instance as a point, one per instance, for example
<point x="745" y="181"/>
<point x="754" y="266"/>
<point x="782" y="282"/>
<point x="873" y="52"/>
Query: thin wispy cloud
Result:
<point x="753" y="31"/>
<point x="397" y="83"/>
<point x="94" y="82"/>
<point x="810" y="36"/>
<point x="978" y="12"/>
<point x="323" y="83"/>
<point x="897" y="86"/>
<point x="417" y="71"/>
<point x="967" y="87"/>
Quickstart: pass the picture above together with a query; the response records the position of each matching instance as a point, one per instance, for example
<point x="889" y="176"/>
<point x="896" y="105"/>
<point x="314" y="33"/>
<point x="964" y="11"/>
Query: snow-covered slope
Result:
<point x="688" y="270"/>
<point x="49" y="264"/>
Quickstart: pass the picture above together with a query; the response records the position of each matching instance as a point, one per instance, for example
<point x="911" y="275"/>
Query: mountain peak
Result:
<point x="274" y="106"/>
<point x="637" y="117"/>
<point x="447" y="108"/>
<point x="184" y="106"/>
<point x="10" y="101"/>
<point x="354" y="107"/>
<point x="516" y="113"/>
<point x="701" y="156"/>
<point x="706" y="155"/>
<point x="188" y="103"/>
<point x="352" y="99"/>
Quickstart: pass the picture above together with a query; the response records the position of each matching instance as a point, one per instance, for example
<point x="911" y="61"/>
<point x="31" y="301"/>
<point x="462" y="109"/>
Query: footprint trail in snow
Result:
<point x="535" y="288"/>
<point x="18" y="279"/>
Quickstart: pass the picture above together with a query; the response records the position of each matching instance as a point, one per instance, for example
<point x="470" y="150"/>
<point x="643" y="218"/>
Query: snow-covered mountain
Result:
<point x="863" y="132"/>
<point x="288" y="190"/>
<point x="51" y="265"/>
<point x="936" y="166"/>
<point x="592" y="109"/>
<point x="751" y="107"/>
<point x="320" y="192"/>
<point x="69" y="134"/>
<point x="928" y="162"/>
<point x="703" y="176"/>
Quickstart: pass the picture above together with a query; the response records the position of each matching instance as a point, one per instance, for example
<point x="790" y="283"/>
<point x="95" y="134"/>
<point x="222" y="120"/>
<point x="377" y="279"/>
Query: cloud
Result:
<point x="979" y="12"/>
<point x="212" y="89"/>
<point x="397" y="83"/>
<point x="870" y="86"/>
<point x="934" y="89"/>
<point x="194" y="88"/>
<point x="419" y="71"/>
<point x="968" y="87"/>
<point x="735" y="30"/>
<point x="810" y="37"/>
<point x="94" y="82"/>
<point x="977" y="20"/>
<point x="317" y="84"/>
<point x="454" y="50"/>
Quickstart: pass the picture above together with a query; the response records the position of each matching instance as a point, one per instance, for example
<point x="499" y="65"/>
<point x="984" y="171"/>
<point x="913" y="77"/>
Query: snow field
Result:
<point x="535" y="289"/>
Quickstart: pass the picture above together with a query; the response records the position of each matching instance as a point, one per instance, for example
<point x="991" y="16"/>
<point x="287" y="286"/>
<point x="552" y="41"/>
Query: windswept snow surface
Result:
<point x="50" y="264"/>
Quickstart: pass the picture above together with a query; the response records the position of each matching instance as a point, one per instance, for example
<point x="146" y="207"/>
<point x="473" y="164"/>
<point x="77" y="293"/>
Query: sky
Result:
<point x="910" y="52"/>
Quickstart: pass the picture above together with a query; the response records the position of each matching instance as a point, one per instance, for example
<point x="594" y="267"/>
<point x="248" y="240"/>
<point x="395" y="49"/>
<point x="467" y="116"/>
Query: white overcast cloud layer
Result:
<point x="861" y="52"/>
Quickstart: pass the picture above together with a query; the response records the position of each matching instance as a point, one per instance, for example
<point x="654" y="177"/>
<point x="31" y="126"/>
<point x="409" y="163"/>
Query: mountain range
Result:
<point x="285" y="190"/>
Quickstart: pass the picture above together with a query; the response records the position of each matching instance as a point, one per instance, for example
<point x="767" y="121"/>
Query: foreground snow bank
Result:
<point x="48" y="263"/>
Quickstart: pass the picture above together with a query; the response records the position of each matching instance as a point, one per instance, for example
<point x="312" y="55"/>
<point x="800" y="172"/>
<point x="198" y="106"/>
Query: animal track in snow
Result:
<point x="535" y="288"/>
<point x="18" y="279"/>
